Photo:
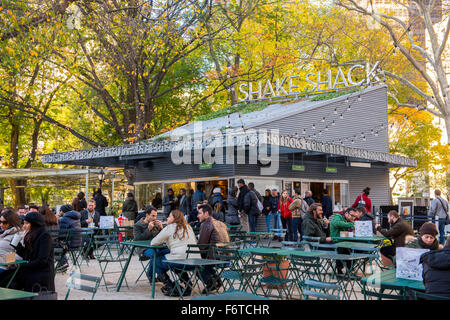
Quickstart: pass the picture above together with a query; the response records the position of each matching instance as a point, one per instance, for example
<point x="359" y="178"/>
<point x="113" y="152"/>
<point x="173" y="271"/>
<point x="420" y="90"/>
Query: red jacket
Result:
<point x="284" y="209"/>
<point x="366" y="199"/>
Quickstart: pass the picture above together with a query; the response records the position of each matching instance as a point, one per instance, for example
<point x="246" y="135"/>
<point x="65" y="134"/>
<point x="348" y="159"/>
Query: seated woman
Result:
<point x="177" y="235"/>
<point x="427" y="238"/>
<point x="38" y="273"/>
<point x="10" y="225"/>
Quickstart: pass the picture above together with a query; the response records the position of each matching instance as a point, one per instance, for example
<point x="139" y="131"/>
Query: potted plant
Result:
<point x="271" y="269"/>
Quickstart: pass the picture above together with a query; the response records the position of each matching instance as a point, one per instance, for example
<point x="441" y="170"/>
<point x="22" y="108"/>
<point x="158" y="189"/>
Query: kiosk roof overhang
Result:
<point x="130" y="155"/>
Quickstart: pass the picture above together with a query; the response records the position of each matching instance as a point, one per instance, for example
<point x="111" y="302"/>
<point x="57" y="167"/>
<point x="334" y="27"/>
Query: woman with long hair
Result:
<point x="50" y="220"/>
<point x="10" y="225"/>
<point x="286" y="214"/>
<point x="38" y="273"/>
<point x="176" y="235"/>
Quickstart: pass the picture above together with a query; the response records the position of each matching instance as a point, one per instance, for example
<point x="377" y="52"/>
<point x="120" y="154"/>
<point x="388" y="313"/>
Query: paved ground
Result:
<point x="135" y="291"/>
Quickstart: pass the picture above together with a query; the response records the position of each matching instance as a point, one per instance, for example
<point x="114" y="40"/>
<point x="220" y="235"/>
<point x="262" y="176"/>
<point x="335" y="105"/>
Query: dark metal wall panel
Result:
<point x="364" y="115"/>
<point x="164" y="169"/>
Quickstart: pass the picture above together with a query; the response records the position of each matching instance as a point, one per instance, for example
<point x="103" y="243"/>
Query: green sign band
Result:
<point x="298" y="168"/>
<point x="206" y="166"/>
<point x="331" y="170"/>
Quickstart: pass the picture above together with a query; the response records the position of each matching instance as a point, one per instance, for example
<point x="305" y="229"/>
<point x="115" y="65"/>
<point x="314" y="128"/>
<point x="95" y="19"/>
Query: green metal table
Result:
<point x="133" y="245"/>
<point x="374" y="239"/>
<point x="351" y="245"/>
<point x="388" y="278"/>
<point x="11" y="294"/>
<point x="18" y="263"/>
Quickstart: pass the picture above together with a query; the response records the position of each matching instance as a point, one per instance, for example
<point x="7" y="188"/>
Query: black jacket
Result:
<point x="309" y="200"/>
<point x="267" y="205"/>
<point x="327" y="205"/>
<point x="185" y="205"/>
<point x="167" y="206"/>
<point x="100" y="204"/>
<point x="368" y="217"/>
<point x="436" y="271"/>
<point x="251" y="203"/>
<point x="232" y="216"/>
<point x="39" y="270"/>
<point x="242" y="192"/>
<point x="71" y="221"/>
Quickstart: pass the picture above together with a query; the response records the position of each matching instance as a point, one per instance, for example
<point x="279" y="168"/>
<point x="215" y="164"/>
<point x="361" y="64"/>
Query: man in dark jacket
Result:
<point x="198" y="196"/>
<point x="168" y="202"/>
<point x="436" y="271"/>
<point x="184" y="203"/>
<point x="311" y="225"/>
<point x="100" y="202"/>
<point x="327" y="204"/>
<point x="363" y="215"/>
<point x="251" y="209"/>
<point x="212" y="232"/>
<point x="243" y="189"/>
<point x="398" y="231"/>
<point x="90" y="218"/>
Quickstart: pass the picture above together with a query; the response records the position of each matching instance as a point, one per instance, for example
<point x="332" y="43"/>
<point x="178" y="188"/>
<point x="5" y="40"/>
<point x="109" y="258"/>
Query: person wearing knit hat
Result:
<point x="427" y="238"/>
<point x="37" y="249"/>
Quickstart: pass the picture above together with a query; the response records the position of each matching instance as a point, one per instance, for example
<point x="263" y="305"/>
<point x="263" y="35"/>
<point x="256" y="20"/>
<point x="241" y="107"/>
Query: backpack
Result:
<point x="361" y="202"/>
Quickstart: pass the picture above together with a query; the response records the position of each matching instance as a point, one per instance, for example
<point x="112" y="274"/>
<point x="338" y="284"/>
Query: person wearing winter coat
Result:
<point x="363" y="215"/>
<point x="70" y="220"/>
<point x="36" y="247"/>
<point x="311" y="225"/>
<point x="398" y="231"/>
<point x="286" y="215"/>
<point x="129" y="207"/>
<point x="365" y="198"/>
<point x="51" y="221"/>
<point x="267" y="209"/>
<point x="427" y="238"/>
<point x="436" y="271"/>
<point x="342" y="222"/>
<point x="176" y="235"/>
<point x="168" y="202"/>
<point x="251" y="209"/>
<point x="218" y="205"/>
<point x="100" y="202"/>
<point x="10" y="225"/>
<point x="198" y="196"/>
<point x="243" y="189"/>
<point x="232" y="215"/>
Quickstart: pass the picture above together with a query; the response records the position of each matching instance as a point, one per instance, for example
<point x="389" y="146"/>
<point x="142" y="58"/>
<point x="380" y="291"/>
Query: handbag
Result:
<point x="44" y="295"/>
<point x="361" y="202"/>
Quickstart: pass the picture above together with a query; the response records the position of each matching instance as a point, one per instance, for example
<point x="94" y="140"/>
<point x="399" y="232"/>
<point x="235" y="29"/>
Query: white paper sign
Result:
<point x="363" y="229"/>
<point x="407" y="261"/>
<point x="106" y="222"/>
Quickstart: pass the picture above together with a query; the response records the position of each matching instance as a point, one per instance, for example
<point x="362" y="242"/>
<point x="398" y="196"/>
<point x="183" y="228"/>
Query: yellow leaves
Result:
<point x="33" y="53"/>
<point x="10" y="50"/>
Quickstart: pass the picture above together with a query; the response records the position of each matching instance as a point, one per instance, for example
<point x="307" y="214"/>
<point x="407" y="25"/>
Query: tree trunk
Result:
<point x="447" y="127"/>
<point x="18" y="191"/>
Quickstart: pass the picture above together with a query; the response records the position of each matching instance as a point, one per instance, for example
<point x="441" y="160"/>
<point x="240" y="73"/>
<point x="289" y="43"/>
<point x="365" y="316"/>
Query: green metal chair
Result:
<point x="232" y="271"/>
<point x="320" y="290"/>
<point x="371" y="253"/>
<point x="278" y="279"/>
<point x="306" y="268"/>
<point x="395" y="293"/>
<point x="108" y="251"/>
<point x="200" y="249"/>
<point x="417" y="295"/>
<point x="74" y="283"/>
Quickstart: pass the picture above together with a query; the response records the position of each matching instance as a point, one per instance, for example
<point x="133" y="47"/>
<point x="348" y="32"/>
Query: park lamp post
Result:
<point x="101" y="175"/>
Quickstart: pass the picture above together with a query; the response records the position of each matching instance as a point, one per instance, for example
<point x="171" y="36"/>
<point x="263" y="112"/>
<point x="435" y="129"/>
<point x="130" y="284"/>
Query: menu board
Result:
<point x="363" y="229"/>
<point x="106" y="222"/>
<point x="407" y="261"/>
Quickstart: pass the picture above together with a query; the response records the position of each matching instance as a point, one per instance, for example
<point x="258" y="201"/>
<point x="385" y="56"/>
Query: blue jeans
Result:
<point x="277" y="222"/>
<point x="252" y="222"/>
<point x="442" y="231"/>
<point x="269" y="221"/>
<point x="297" y="227"/>
<point x="160" y="253"/>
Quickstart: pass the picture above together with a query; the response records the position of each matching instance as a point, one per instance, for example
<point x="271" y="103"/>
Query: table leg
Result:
<point x="153" y="272"/>
<point x="124" y="271"/>
<point x="13" y="276"/>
